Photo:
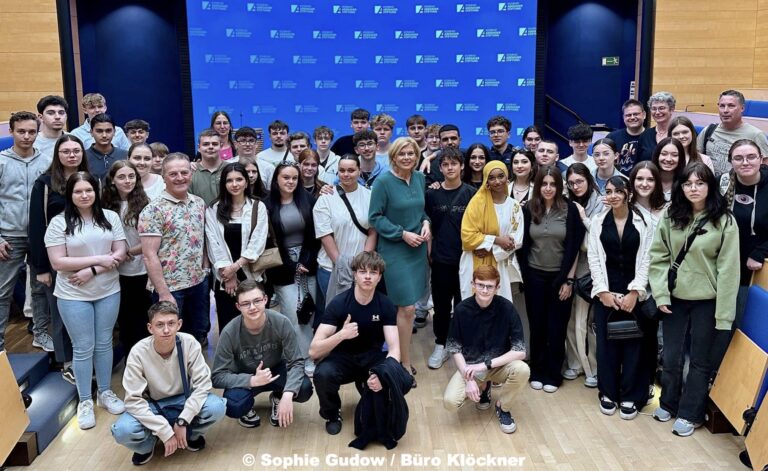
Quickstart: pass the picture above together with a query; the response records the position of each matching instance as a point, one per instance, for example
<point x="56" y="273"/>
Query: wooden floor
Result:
<point x="563" y="431"/>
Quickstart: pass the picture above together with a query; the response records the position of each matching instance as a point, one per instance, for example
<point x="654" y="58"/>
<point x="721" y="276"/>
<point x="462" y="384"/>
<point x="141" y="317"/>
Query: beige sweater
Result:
<point x="147" y="374"/>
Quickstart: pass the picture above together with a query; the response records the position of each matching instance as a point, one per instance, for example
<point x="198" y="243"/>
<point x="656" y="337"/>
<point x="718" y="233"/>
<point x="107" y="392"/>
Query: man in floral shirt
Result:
<point x="172" y="241"/>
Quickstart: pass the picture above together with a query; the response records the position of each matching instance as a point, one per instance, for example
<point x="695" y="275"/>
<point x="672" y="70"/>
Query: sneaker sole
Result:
<point x="679" y="434"/>
<point x="660" y="419"/>
<point x="607" y="411"/>
<point x="39" y="345"/>
<point x="483" y="406"/>
<point x="508" y="431"/>
<point x="248" y="424"/>
<point x="116" y="412"/>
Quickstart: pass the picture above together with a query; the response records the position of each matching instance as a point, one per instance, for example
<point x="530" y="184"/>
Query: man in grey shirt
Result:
<point x="259" y="351"/>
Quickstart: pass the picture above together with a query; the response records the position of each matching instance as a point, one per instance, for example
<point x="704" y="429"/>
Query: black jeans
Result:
<point x="548" y="317"/>
<point x="225" y="306"/>
<point x="650" y="352"/>
<point x="696" y="318"/>
<point x="240" y="400"/>
<point x="135" y="301"/>
<point x="620" y="368"/>
<point x="341" y="368"/>
<point x="446" y="293"/>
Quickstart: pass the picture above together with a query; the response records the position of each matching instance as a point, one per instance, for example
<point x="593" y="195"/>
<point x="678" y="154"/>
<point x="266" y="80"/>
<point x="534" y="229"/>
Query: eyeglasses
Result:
<point x="748" y="158"/>
<point x="659" y="108"/>
<point x="365" y="145"/>
<point x="163" y="325"/>
<point x="574" y="183"/>
<point x="248" y="142"/>
<point x="484" y="287"/>
<point x="497" y="132"/>
<point x="69" y="152"/>
<point x="254" y="302"/>
<point x="699" y="184"/>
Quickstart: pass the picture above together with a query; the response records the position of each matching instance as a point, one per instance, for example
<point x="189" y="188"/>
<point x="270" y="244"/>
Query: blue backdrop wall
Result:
<point x="129" y="53"/>
<point x="312" y="63"/>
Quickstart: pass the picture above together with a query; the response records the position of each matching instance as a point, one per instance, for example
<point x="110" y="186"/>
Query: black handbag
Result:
<point x="672" y="273"/>
<point x="583" y="287"/>
<point x="622" y="325"/>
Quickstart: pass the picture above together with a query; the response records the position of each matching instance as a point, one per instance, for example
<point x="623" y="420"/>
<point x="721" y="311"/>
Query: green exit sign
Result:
<point x="612" y="61"/>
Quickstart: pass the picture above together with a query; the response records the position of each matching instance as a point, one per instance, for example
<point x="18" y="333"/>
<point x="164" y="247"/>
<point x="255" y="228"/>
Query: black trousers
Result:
<point x="225" y="306"/>
<point x="446" y="293"/>
<point x="135" y="301"/>
<point x="620" y="368"/>
<point x="697" y="319"/>
<point x="548" y="318"/>
<point x="337" y="369"/>
<point x="650" y="351"/>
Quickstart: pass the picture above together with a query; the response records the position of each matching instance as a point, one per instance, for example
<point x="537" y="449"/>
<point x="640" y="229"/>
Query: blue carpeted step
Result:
<point x="29" y="368"/>
<point x="54" y="402"/>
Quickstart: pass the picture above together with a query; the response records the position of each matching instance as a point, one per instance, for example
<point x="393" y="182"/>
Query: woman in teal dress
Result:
<point x="397" y="213"/>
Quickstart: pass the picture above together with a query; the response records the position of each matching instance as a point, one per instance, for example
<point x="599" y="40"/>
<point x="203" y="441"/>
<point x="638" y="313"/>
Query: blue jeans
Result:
<point x="10" y="270"/>
<point x="130" y="433"/>
<point x="323" y="278"/>
<point x="240" y="400"/>
<point x="194" y="305"/>
<point x="90" y="325"/>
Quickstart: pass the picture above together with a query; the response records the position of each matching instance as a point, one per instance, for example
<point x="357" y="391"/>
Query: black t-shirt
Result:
<point x="485" y="333"/>
<point x="445" y="209"/>
<point x="629" y="149"/>
<point x="370" y="319"/>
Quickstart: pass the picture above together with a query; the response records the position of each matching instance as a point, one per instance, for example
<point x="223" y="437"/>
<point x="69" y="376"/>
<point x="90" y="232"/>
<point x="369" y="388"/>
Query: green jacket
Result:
<point x="710" y="270"/>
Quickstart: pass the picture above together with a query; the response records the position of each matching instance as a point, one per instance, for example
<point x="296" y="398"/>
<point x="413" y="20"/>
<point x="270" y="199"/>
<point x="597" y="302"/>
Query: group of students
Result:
<point x="502" y="238"/>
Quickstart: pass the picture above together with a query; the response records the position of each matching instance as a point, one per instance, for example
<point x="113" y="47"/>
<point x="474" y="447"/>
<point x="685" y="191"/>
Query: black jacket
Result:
<point x="383" y="416"/>
<point x="38" y="223"/>
<point x="284" y="274"/>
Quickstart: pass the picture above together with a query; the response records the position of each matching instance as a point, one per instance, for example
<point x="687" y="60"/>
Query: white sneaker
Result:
<point x="309" y="367"/>
<point x="590" y="381"/>
<point x="570" y="374"/>
<point x="109" y="400"/>
<point x="550" y="388"/>
<point x="438" y="357"/>
<point x="85" y="417"/>
<point x="537" y="385"/>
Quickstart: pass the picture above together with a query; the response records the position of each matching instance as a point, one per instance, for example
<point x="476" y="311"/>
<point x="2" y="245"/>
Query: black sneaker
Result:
<point x="273" y="419"/>
<point x="421" y="319"/>
<point x="197" y="444"/>
<point x="607" y="406"/>
<point x="485" y="398"/>
<point x="627" y="410"/>
<point x="139" y="459"/>
<point x="250" y="420"/>
<point x="333" y="427"/>
<point x="68" y="375"/>
<point x="506" y="421"/>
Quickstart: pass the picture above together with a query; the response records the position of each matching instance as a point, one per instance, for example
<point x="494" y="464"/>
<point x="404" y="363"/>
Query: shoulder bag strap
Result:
<point x="343" y="196"/>
<point x="182" y="367"/>
<point x="688" y="242"/>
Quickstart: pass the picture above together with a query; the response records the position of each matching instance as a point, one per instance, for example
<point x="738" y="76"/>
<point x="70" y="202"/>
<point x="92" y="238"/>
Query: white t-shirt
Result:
<point x="331" y="216"/>
<point x="132" y="266"/>
<point x="570" y="160"/>
<point x="266" y="170"/>
<point x="45" y="144"/>
<point x="155" y="189"/>
<point x="87" y="241"/>
<point x="273" y="156"/>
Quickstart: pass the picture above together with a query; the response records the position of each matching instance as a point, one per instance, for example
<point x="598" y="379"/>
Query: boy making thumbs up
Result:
<point x="258" y="351"/>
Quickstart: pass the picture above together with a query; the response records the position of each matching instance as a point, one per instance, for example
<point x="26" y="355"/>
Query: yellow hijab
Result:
<point x="480" y="217"/>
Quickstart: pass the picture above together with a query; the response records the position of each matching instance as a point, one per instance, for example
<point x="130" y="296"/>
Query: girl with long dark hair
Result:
<point x="580" y="340"/>
<point x="531" y="138"/>
<point x="553" y="234"/>
<point x="222" y="124"/>
<point x="619" y="244"/>
<point x="475" y="157"/>
<point x="523" y="172"/>
<point x="257" y="187"/>
<point x="231" y="239"/>
<point x="85" y="246"/>
<point x="682" y="129"/>
<point x="669" y="157"/>
<point x="48" y="200"/>
<point x="701" y="299"/>
<point x="124" y="194"/>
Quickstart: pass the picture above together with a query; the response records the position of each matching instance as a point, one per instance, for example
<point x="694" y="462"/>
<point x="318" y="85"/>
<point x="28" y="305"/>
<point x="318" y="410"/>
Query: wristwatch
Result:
<point x="488" y="365"/>
<point x="181" y="422"/>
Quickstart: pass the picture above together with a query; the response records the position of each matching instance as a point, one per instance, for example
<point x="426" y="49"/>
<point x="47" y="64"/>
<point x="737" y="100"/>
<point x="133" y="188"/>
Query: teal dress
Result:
<point x="397" y="206"/>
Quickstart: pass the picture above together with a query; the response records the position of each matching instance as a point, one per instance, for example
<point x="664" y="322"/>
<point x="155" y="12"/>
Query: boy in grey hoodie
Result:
<point x="19" y="168"/>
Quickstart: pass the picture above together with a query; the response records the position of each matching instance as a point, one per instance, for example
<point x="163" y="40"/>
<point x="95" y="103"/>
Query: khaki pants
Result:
<point x="580" y="344"/>
<point x="513" y="377"/>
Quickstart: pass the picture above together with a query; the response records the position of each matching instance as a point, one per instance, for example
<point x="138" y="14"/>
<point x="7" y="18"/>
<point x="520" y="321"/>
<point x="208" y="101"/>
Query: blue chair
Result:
<point x="756" y="108"/>
<point x="6" y="142"/>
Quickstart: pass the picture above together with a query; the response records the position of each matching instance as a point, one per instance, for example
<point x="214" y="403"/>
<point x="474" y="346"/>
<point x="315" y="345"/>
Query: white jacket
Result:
<point x="596" y="256"/>
<point x="252" y="246"/>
